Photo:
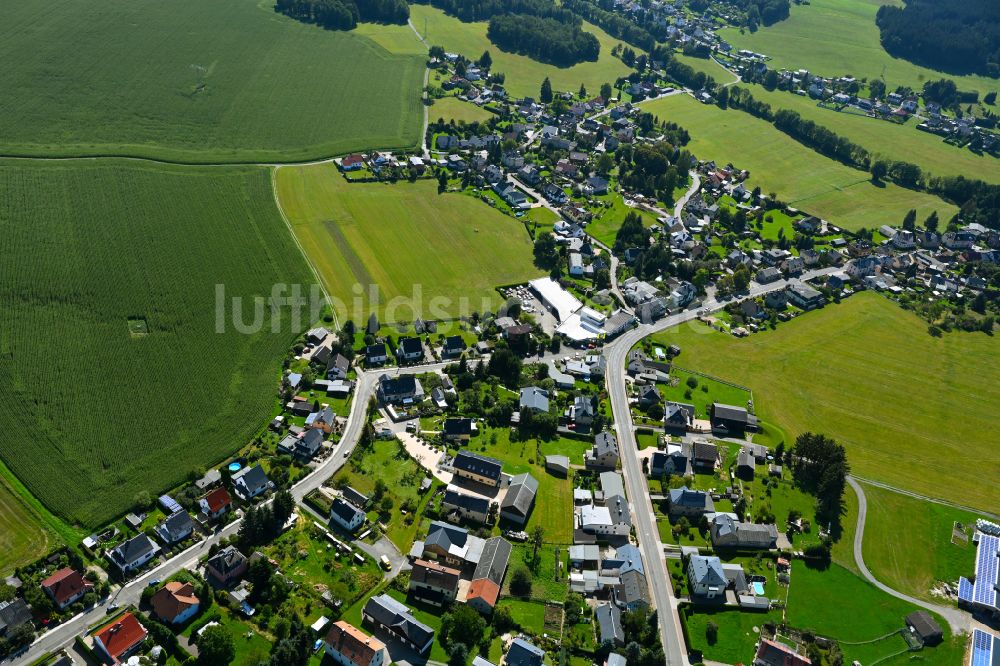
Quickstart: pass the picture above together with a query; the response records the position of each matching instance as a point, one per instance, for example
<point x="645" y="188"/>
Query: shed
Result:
<point x="924" y="626"/>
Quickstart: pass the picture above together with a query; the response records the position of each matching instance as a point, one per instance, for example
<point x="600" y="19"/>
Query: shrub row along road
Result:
<point x="639" y="504"/>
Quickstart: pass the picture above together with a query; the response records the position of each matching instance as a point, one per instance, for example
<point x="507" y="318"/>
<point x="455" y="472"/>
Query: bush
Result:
<point x="520" y="583"/>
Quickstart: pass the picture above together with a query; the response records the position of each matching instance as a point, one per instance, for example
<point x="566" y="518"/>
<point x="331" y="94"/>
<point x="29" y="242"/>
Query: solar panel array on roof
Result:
<point x="987" y="564"/>
<point x="169" y="504"/>
<point x="964" y="589"/>
<point x="985" y="649"/>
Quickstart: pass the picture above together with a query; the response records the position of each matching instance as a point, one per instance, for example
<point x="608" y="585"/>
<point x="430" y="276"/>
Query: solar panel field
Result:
<point x="196" y="81"/>
<point x="114" y="378"/>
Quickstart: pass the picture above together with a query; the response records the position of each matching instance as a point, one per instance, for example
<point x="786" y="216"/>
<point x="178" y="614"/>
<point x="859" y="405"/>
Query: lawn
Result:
<point x="799" y="176"/>
<point x="574" y="449"/>
<point x="546" y="584"/>
<point x="524" y="75"/>
<point x="423" y="253"/>
<point x="24" y="537"/>
<point x="86" y="249"/>
<point x="530" y="615"/>
<point x="888" y="139"/>
<point x="736" y="636"/>
<point x="707" y="66"/>
<point x="837" y="38"/>
<point x="388" y="461"/>
<point x="866" y="373"/>
<point x="554" y="502"/>
<point x="606" y="223"/>
<point x="452" y="108"/>
<point x="913" y="559"/>
<point x="872" y="612"/>
<point x="705" y="392"/>
<point x="202" y="82"/>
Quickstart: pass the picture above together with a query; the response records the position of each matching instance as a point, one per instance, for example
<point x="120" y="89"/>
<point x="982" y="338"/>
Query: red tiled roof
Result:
<point x="353" y="643"/>
<point x="173" y="599"/>
<point x="121" y="635"/>
<point x="65" y="584"/>
<point x="217" y="499"/>
<point x="352" y="159"/>
<point x="484" y="589"/>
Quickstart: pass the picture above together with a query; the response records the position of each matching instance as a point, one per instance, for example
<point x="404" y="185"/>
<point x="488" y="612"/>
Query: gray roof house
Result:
<point x="706" y="577"/>
<point x="558" y="465"/>
<point x="633" y="593"/>
<point x="251" y="482"/>
<point x="728" y="532"/>
<point x="466" y="506"/>
<point x="388" y="615"/>
<point x="535" y="399"/>
<point x="13" y="615"/>
<point x="133" y="553"/>
<point x="687" y="502"/>
<point x="523" y="653"/>
<point x="175" y="528"/>
<point x="520" y="498"/>
<point x="493" y="560"/>
<point x="478" y="468"/>
<point x="609" y="621"/>
<point x="604" y="453"/>
<point x="346" y="515"/>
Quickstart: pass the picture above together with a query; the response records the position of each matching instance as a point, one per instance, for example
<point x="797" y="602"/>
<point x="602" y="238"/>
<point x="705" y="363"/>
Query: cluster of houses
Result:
<point x="579" y="325"/>
<point x="480" y="491"/>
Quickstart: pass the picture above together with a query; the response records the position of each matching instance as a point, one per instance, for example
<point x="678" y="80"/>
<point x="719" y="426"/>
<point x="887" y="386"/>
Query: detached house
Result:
<point x="349" y="646"/>
<point x="346" y="515"/>
<point x="401" y="390"/>
<point x="687" y="502"/>
<point x="216" y="503"/>
<point x="728" y="532"/>
<point x="175" y="602"/>
<point x="410" y="350"/>
<point x="132" y="554"/>
<point x="66" y="587"/>
<point x="227" y="565"/>
<point x="459" y="429"/>
<point x="175" y="528"/>
<point x="706" y="577"/>
<point x="116" y="641"/>
<point x="251" y="482"/>
<point x="604" y="454"/>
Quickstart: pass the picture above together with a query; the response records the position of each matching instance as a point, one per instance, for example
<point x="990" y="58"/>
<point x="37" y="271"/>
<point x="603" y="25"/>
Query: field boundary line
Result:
<point x="302" y="251"/>
<point x="925" y="498"/>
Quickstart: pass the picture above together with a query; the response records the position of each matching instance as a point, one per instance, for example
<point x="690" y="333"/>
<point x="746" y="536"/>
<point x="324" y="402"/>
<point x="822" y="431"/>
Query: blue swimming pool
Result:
<point x="758" y="588"/>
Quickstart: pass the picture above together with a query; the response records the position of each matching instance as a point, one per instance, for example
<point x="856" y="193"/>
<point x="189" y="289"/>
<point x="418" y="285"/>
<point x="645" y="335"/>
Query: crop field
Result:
<point x="88" y="250"/>
<point x="866" y="373"/>
<point x="524" y="75"/>
<point x="423" y="250"/>
<point x="914" y="559"/>
<point x="887" y="139"/>
<point x="837" y="38"/>
<point x="202" y="82"/>
<point x="451" y="108"/>
<point x="798" y="175"/>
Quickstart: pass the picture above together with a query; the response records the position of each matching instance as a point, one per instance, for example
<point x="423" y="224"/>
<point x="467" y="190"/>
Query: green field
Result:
<point x="798" y="175"/>
<point x="87" y="249"/>
<point x="866" y="373"/>
<point x="736" y="639"/>
<point x="887" y="139"/>
<point x="403" y="238"/>
<point x="23" y="538"/>
<point x="452" y="108"/>
<point x="837" y="38"/>
<point x="524" y="75"/>
<point x="872" y="614"/>
<point x="913" y="559"/>
<point x="201" y="82"/>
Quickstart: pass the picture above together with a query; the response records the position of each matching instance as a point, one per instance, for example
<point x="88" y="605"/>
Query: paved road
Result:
<point x="695" y="184"/>
<point x="638" y="490"/>
<point x="958" y="620"/>
<point x="635" y="481"/>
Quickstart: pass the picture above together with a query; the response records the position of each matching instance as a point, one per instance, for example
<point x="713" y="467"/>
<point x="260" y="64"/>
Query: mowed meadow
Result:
<point x="798" y="175"/>
<point x="402" y="237"/>
<point x="114" y="377"/>
<point x="524" y="76"/>
<point x="201" y="81"/>
<point x="913" y="411"/>
<point x="838" y="38"/>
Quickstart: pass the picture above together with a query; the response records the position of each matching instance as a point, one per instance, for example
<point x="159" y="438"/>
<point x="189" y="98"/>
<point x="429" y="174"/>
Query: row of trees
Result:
<point x="614" y="24"/>
<point x="262" y="524"/>
<point x="483" y="10"/>
<point x="345" y="14"/>
<point x="959" y="36"/>
<point x="544" y="39"/>
<point x="819" y="465"/>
